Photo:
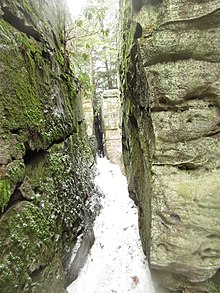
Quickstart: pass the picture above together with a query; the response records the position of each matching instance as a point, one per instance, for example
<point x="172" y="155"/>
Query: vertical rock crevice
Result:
<point x="99" y="133"/>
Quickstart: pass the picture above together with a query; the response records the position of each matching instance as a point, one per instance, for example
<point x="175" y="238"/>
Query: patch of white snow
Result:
<point x="116" y="263"/>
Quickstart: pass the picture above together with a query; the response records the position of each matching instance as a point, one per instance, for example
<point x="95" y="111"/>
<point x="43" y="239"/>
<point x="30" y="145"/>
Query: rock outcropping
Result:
<point x="89" y="116"/>
<point x="111" y="120"/>
<point x="45" y="179"/>
<point x="171" y="136"/>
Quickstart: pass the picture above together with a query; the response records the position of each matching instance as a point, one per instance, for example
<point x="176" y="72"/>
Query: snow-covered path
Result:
<point x="116" y="262"/>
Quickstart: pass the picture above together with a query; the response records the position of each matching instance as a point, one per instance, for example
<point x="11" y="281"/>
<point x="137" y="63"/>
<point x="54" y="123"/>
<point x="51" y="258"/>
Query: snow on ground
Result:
<point x="116" y="263"/>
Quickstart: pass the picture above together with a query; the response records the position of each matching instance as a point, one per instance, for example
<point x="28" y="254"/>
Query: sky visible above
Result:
<point x="75" y="6"/>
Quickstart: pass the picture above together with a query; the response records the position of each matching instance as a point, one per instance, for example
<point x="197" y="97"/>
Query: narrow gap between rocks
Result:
<point x="116" y="262"/>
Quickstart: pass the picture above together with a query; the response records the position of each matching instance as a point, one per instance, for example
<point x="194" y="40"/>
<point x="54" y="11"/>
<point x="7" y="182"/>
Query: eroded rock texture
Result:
<point x="171" y="144"/>
<point x="111" y="118"/>
<point x="45" y="181"/>
<point x="89" y="116"/>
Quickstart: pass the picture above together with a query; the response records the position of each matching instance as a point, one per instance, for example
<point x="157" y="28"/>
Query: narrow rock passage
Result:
<point x="116" y="263"/>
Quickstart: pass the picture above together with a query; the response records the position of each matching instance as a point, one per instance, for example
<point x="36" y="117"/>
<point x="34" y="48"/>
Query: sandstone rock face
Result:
<point x="171" y="104"/>
<point x="89" y="116"/>
<point x="45" y="180"/>
<point x="111" y="116"/>
<point x="89" y="120"/>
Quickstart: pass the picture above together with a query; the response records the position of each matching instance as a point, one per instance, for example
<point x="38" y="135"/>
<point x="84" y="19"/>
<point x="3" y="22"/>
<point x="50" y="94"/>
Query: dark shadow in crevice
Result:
<point x="33" y="157"/>
<point x="36" y="274"/>
<point x="138" y="31"/>
<point x="15" y="131"/>
<point x="80" y="122"/>
<point x="187" y="166"/>
<point x="99" y="134"/>
<point x="212" y="133"/>
<point x="133" y="121"/>
<point x="216" y="278"/>
<point x="46" y="55"/>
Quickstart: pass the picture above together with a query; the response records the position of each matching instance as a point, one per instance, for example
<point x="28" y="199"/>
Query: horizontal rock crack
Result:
<point x="19" y="24"/>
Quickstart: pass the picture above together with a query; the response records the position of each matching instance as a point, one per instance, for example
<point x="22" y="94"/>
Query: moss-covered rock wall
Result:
<point x="45" y="158"/>
<point x="170" y="85"/>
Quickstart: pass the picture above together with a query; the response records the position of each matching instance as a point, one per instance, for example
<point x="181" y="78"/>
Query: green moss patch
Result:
<point x="4" y="193"/>
<point x="26" y="232"/>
